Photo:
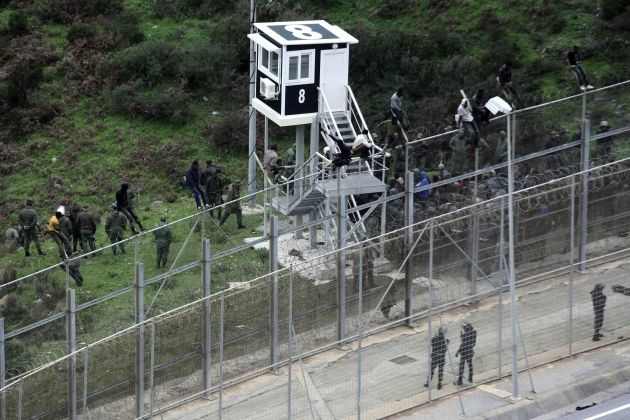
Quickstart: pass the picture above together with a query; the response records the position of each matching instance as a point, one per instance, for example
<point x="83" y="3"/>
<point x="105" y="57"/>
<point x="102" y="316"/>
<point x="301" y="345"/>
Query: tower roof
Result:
<point x="305" y="32"/>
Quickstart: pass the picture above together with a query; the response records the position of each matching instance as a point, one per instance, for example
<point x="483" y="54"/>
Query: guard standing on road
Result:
<point x="599" y="305"/>
<point x="439" y="346"/>
<point x="29" y="223"/>
<point x="466" y="352"/>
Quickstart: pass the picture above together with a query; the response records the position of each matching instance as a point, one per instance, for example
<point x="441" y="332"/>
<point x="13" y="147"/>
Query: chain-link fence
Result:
<point x="341" y="350"/>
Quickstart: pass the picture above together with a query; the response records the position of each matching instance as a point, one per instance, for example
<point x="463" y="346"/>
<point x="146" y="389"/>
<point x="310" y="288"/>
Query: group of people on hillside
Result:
<point x="73" y="226"/>
<point x="209" y="188"/>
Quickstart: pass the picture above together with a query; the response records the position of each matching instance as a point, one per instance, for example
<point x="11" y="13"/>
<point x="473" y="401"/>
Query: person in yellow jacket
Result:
<point x="53" y="230"/>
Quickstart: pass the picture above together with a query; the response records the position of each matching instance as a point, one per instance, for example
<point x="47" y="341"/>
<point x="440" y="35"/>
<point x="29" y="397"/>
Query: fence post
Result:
<point x="139" y="291"/>
<point x="273" y="261"/>
<point x="429" y="322"/>
<point x="586" y="142"/>
<point x="409" y="210"/>
<point x="474" y="234"/>
<point x="572" y="262"/>
<point x="511" y="265"/>
<point x="341" y="264"/>
<point x="299" y="185"/>
<point x="502" y="276"/>
<point x="206" y="323"/>
<point x="71" y="335"/>
<point x="3" y="374"/>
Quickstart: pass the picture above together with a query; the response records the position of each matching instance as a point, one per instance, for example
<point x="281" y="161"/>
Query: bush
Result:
<point x="81" y="31"/>
<point x="165" y="104"/>
<point x="18" y="23"/>
<point x="150" y="62"/>
<point x="67" y="11"/>
<point x="191" y="8"/>
<point x="613" y="8"/>
<point x="229" y="132"/>
<point x="126" y="31"/>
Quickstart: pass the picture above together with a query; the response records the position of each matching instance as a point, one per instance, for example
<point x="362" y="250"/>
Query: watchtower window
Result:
<point x="269" y="63"/>
<point x="301" y="67"/>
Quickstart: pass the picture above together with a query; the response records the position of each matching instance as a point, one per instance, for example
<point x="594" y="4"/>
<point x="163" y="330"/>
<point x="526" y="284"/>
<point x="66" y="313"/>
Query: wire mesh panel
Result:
<point x="111" y="377"/>
<point x="98" y="321"/>
<point x="174" y="361"/>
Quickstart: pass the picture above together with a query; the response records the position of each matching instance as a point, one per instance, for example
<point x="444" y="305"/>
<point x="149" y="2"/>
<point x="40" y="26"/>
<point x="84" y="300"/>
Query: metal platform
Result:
<point x="356" y="184"/>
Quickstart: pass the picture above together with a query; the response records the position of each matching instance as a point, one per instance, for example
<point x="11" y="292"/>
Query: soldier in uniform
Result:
<point x="163" y="239"/>
<point x="65" y="225"/>
<point x="75" y="209"/>
<point x="234" y="205"/>
<point x="115" y="225"/>
<point x="599" y="305"/>
<point x="29" y="224"/>
<point x="212" y="185"/>
<point x="439" y="346"/>
<point x="87" y="230"/>
<point x="466" y="351"/>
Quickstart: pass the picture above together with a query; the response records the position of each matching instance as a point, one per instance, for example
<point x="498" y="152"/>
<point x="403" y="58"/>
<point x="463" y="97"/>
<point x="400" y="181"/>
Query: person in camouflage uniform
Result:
<point x="66" y="227"/>
<point x="87" y="230"/>
<point x="234" y="205"/>
<point x="212" y="185"/>
<point x="29" y="223"/>
<point x="115" y="225"/>
<point x="163" y="238"/>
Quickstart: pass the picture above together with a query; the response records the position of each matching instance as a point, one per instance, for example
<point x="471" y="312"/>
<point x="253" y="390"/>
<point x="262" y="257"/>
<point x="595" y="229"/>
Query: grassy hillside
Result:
<point x="96" y="92"/>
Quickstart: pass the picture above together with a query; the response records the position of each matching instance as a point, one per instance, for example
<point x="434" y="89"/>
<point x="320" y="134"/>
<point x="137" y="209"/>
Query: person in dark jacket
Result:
<point x="344" y="157"/>
<point x="504" y="79"/>
<point x="29" y="224"/>
<point x="75" y="209"/>
<point x="439" y="346"/>
<point x="123" y="203"/>
<point x="73" y="268"/>
<point x="87" y="229"/>
<point x="599" y="305"/>
<point x="193" y="181"/>
<point x="574" y="59"/>
<point x="466" y="352"/>
<point x="115" y="226"/>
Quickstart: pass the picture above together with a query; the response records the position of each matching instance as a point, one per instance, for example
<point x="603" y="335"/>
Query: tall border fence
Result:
<point x="407" y="272"/>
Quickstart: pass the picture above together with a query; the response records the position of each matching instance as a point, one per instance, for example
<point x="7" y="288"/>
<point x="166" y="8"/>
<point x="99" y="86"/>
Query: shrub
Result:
<point x="66" y="11"/>
<point x="165" y="104"/>
<point x="150" y="62"/>
<point x="18" y="23"/>
<point x="126" y="31"/>
<point x="613" y="8"/>
<point x="229" y="132"/>
<point x="81" y="31"/>
<point x="191" y="8"/>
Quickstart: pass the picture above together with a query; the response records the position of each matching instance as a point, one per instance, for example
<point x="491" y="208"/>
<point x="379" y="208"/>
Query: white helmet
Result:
<point x="62" y="210"/>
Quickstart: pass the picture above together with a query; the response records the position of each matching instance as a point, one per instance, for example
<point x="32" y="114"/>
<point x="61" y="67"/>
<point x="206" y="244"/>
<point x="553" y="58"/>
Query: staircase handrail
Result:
<point x="364" y="125"/>
<point x="328" y="111"/>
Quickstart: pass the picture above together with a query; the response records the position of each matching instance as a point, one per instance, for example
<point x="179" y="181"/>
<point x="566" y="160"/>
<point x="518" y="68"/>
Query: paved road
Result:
<point x="394" y="364"/>
<point x="615" y="409"/>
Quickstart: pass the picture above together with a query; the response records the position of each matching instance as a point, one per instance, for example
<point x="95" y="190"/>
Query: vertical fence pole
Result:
<point x="221" y="332"/>
<point x="474" y="234"/>
<point x="383" y="222"/>
<point x="206" y="279"/>
<point x="409" y="210"/>
<point x="71" y="335"/>
<point x="139" y="292"/>
<point x="341" y="264"/>
<point x="571" y="262"/>
<point x="360" y="342"/>
<point x="86" y="375"/>
<point x="511" y="265"/>
<point x="251" y="176"/>
<point x="430" y="313"/>
<point x="500" y="305"/>
<point x="273" y="261"/>
<point x="267" y="199"/>
<point x="290" y="348"/>
<point x="586" y="145"/>
<point x="3" y="372"/>
<point x="152" y="370"/>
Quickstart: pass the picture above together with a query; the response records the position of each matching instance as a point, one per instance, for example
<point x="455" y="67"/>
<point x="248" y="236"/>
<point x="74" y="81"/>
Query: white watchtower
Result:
<point x="301" y="79"/>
